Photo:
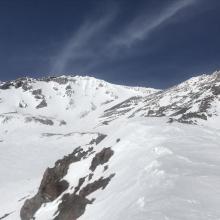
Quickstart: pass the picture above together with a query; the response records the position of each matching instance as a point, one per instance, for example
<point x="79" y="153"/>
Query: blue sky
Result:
<point x="155" y="43"/>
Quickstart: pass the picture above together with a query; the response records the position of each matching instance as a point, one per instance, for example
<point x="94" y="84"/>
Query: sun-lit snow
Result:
<point x="163" y="171"/>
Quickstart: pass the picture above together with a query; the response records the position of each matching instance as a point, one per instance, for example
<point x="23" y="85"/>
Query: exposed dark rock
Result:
<point x="31" y="206"/>
<point x="62" y="165"/>
<point x="188" y="118"/>
<point x="124" y="104"/>
<point x="197" y="93"/>
<point x="180" y="120"/>
<point x="70" y="134"/>
<point x="73" y="205"/>
<point x="101" y="158"/>
<point x="217" y="76"/>
<point x="62" y="122"/>
<point x="8" y="113"/>
<point x="90" y="176"/>
<point x="22" y="105"/>
<point x="47" y="79"/>
<point x="101" y="183"/>
<point x="93" y="106"/>
<point x="69" y="93"/>
<point x="84" y="114"/>
<point x="120" y="109"/>
<point x="193" y="115"/>
<point x="42" y="104"/>
<point x="98" y="139"/>
<point x="5" y="215"/>
<point x="44" y="121"/>
<point x="157" y="113"/>
<point x="68" y="87"/>
<point x="23" y="198"/>
<point x="37" y="92"/>
<point x="171" y="120"/>
<point x="81" y="181"/>
<point x="107" y="102"/>
<point x="181" y="111"/>
<point x="38" y="96"/>
<point x="18" y="84"/>
<point x="105" y="168"/>
<point x="51" y="134"/>
<point x="60" y="80"/>
<point x="26" y="87"/>
<point x="205" y="104"/>
<point x="216" y="90"/>
<point x="21" y="82"/>
<point x="53" y="185"/>
<point x="118" y="140"/>
<point x="6" y="85"/>
<point x="6" y="118"/>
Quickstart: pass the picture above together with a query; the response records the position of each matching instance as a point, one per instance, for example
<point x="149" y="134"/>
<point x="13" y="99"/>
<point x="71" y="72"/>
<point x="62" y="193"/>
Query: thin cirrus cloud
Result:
<point x="77" y="47"/>
<point x="142" y="26"/>
<point x="82" y="52"/>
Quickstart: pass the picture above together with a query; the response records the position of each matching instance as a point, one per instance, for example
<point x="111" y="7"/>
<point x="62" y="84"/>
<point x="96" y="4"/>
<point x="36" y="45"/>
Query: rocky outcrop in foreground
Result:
<point x="72" y="205"/>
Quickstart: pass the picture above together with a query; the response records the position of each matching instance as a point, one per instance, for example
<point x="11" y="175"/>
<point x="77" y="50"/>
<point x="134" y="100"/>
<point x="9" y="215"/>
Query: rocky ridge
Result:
<point x="67" y="107"/>
<point x="190" y="102"/>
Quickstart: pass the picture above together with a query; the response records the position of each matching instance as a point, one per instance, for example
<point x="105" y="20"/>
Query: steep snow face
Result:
<point x="111" y="152"/>
<point x="43" y="120"/>
<point x="163" y="171"/>
<point x="62" y="98"/>
<point x="194" y="101"/>
<point x="157" y="171"/>
<point x="25" y="153"/>
<point x="70" y="94"/>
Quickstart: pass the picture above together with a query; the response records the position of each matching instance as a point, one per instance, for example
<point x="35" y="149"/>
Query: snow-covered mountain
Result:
<point x="114" y="152"/>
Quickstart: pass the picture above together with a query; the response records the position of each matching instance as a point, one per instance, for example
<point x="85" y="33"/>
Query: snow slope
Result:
<point x="162" y="171"/>
<point x="116" y="154"/>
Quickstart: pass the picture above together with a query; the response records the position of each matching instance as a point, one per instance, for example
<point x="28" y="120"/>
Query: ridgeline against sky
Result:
<point x="146" y="43"/>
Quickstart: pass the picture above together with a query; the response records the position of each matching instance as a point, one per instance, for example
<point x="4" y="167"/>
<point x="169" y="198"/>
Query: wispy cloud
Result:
<point x="86" y="48"/>
<point x="142" y="26"/>
<point x="77" y="47"/>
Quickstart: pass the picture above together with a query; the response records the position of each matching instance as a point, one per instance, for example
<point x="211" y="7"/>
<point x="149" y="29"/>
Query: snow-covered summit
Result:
<point x="64" y="99"/>
<point x="79" y="148"/>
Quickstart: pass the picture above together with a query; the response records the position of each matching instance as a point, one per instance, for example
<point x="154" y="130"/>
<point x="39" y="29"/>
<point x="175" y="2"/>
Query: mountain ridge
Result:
<point x="82" y="148"/>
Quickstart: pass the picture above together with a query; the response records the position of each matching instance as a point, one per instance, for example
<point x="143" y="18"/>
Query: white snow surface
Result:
<point x="163" y="171"/>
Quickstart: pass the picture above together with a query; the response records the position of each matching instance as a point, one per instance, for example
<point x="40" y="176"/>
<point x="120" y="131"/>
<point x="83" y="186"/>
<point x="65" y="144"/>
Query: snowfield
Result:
<point x="114" y="152"/>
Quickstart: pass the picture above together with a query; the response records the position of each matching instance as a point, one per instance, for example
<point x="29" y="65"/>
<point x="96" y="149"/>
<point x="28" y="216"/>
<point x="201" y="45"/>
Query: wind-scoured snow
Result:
<point x="162" y="171"/>
<point x="119" y="152"/>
